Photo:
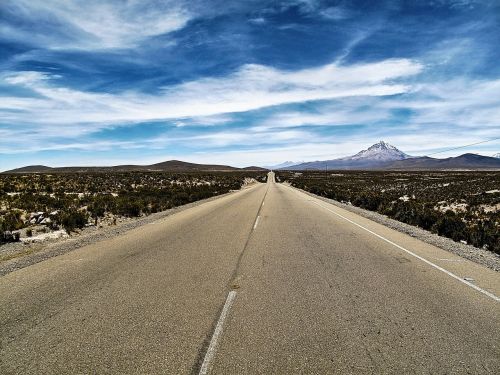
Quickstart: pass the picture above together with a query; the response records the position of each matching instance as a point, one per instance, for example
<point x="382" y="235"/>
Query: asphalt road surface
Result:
<point x="267" y="280"/>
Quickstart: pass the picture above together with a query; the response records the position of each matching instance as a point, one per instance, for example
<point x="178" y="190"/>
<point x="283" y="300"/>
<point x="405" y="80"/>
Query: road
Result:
<point x="268" y="280"/>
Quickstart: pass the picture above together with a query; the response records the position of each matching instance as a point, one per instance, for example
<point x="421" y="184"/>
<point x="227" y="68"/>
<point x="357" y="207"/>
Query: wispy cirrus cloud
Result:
<point x="461" y="103"/>
<point x="361" y="95"/>
<point x="91" y="24"/>
<point x="55" y="114"/>
<point x="299" y="79"/>
<point x="250" y="87"/>
<point x="346" y="111"/>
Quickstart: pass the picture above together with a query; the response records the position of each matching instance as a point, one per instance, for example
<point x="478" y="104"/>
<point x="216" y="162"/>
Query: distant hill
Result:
<point x="254" y="168"/>
<point x="465" y="161"/>
<point x="166" y="166"/>
<point x="32" y="169"/>
<point x="383" y="156"/>
<point x="177" y="165"/>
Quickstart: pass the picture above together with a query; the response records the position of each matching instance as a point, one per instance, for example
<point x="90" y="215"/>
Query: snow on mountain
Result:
<point x="380" y="151"/>
<point x="284" y="165"/>
<point x="378" y="155"/>
<point x="382" y="156"/>
<point x="497" y="155"/>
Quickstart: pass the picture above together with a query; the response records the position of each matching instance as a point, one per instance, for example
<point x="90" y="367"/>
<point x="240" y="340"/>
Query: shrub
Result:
<point x="12" y="221"/>
<point x="73" y="219"/>
<point x="9" y="236"/>
<point x="450" y="226"/>
<point x="97" y="209"/>
<point x="130" y="208"/>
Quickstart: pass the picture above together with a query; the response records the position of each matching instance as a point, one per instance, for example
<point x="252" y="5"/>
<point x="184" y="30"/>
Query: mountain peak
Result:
<point x="381" y="151"/>
<point x="381" y="145"/>
<point x="382" y="155"/>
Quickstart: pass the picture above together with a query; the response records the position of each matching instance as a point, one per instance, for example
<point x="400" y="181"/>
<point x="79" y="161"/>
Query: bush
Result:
<point x="450" y="226"/>
<point x="118" y="193"/>
<point x="9" y="236"/>
<point x="130" y="208"/>
<point x="12" y="221"/>
<point x="73" y="219"/>
<point x="97" y="209"/>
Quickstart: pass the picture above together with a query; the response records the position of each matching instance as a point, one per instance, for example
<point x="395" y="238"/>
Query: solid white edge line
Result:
<point x="491" y="295"/>
<point x="481" y="290"/>
<point x="212" y="348"/>
<point x="256" y="222"/>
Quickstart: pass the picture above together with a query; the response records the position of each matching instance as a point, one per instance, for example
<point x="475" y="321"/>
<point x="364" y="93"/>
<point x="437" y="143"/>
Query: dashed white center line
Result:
<point x="256" y="222"/>
<point x="212" y="349"/>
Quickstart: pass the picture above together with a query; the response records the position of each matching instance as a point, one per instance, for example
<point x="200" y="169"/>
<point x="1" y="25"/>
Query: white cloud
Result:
<point x="460" y="103"/>
<point x="335" y="13"/>
<point x="325" y="148"/>
<point x="204" y="120"/>
<point x="28" y="78"/>
<point x="444" y="114"/>
<point x="94" y="23"/>
<point x="468" y="108"/>
<point x="258" y="20"/>
<point x="251" y="87"/>
<point x="221" y="139"/>
<point x="343" y="113"/>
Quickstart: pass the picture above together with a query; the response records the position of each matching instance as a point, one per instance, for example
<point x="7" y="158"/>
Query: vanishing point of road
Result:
<point x="266" y="280"/>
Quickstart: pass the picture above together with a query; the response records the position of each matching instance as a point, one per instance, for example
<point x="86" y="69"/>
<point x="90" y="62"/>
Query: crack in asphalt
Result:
<point x="233" y="284"/>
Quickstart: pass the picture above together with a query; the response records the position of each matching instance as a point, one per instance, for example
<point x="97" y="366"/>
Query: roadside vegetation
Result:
<point x="41" y="203"/>
<point x="463" y="206"/>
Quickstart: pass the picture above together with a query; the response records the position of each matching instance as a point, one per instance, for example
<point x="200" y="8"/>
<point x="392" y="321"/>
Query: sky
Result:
<point x="94" y="82"/>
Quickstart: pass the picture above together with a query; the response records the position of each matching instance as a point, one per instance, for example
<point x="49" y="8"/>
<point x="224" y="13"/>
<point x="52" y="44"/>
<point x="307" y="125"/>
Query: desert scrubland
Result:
<point x="42" y="206"/>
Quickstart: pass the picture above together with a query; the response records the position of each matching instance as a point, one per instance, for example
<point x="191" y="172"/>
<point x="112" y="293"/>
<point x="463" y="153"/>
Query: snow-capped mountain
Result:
<point x="497" y="155"/>
<point x="378" y="155"/>
<point x="380" y="151"/>
<point x="283" y="165"/>
<point x="383" y="156"/>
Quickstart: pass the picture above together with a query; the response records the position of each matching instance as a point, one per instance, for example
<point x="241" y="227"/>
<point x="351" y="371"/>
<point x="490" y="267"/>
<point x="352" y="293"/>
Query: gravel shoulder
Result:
<point x="18" y="255"/>
<point x="483" y="257"/>
<point x="14" y="256"/>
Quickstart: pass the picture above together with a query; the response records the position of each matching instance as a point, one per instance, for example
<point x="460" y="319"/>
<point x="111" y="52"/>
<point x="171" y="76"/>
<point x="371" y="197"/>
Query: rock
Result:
<point x="9" y="236"/>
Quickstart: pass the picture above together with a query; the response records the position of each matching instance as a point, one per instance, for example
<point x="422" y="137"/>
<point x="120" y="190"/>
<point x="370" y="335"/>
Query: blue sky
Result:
<point x="244" y="82"/>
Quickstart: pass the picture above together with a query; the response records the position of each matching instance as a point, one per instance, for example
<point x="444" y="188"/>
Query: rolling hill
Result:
<point x="166" y="166"/>
<point x="462" y="162"/>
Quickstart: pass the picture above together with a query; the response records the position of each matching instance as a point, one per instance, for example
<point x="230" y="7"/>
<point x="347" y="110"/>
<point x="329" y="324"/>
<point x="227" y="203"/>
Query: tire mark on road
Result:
<point x="233" y="284"/>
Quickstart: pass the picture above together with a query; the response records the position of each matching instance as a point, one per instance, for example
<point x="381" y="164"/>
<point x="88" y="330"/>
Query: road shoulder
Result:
<point x="24" y="255"/>
<point x="474" y="254"/>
